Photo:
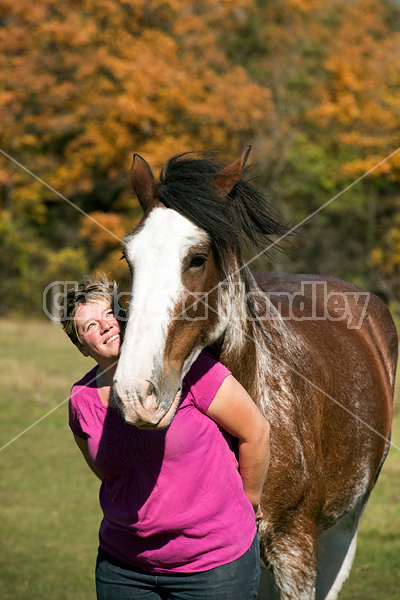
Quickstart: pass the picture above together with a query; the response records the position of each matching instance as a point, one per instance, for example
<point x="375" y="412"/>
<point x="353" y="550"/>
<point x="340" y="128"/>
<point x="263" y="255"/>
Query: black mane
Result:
<point x="186" y="186"/>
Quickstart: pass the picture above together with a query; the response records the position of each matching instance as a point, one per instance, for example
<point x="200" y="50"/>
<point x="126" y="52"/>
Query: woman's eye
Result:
<point x="197" y="261"/>
<point x="90" y="326"/>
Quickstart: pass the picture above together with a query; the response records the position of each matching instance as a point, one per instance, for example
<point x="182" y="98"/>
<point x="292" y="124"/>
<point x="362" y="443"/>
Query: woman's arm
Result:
<point x="235" y="411"/>
<point x="83" y="447"/>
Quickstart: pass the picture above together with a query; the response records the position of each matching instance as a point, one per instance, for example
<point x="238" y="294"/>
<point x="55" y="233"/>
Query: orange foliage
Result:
<point x="312" y="84"/>
<point x="104" y="231"/>
<point x="86" y="83"/>
<point x="385" y="260"/>
<point x="360" y="100"/>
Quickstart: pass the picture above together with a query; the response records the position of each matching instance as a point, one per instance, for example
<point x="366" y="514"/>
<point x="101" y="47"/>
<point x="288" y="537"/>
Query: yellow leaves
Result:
<point x="188" y="24"/>
<point x="375" y="165"/>
<point x="386" y="257"/>
<point x="360" y="100"/>
<point x="108" y="76"/>
<point x="367" y="141"/>
<point x="249" y="103"/>
<point x="115" y="268"/>
<point x="156" y="151"/>
<point x="5" y="177"/>
<point x="26" y="200"/>
<point x="358" y="167"/>
<point x="194" y="19"/>
<point x="66" y="264"/>
<point x="377" y="256"/>
<point x="85" y="83"/>
<point x="104" y="231"/>
<point x="304" y="5"/>
<point x="6" y="98"/>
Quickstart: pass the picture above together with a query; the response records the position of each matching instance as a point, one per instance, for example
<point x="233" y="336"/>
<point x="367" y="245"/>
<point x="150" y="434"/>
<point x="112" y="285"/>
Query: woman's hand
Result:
<point x="258" y="514"/>
<point x="235" y="411"/>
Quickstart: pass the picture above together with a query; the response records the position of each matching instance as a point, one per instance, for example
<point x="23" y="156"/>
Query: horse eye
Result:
<point x="197" y="261"/>
<point x="123" y="257"/>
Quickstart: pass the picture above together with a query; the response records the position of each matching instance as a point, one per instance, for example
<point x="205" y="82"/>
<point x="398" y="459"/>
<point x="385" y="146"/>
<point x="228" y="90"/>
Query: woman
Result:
<point x="179" y="507"/>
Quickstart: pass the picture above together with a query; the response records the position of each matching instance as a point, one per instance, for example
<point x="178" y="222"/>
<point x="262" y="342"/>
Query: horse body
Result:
<point x="329" y="402"/>
<point x="317" y="355"/>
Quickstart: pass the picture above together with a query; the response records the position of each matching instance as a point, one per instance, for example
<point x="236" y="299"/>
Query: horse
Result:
<point x="317" y="355"/>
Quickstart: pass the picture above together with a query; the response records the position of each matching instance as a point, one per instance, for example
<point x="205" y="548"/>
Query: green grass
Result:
<point x="50" y="513"/>
<point x="49" y="498"/>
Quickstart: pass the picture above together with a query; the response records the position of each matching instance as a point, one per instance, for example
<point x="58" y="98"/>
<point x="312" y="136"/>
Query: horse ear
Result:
<point x="143" y="183"/>
<point x="230" y="175"/>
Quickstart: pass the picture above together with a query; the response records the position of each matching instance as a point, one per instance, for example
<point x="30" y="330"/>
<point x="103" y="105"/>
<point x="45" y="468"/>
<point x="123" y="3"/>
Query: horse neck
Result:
<point x="256" y="350"/>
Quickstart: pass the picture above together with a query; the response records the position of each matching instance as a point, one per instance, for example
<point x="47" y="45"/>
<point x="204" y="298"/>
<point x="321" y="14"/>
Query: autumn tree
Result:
<point x="332" y="69"/>
<point x="358" y="106"/>
<point x="84" y="84"/>
<point x="312" y="85"/>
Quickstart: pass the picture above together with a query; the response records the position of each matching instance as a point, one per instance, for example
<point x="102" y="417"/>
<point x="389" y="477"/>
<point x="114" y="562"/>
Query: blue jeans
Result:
<point x="237" y="580"/>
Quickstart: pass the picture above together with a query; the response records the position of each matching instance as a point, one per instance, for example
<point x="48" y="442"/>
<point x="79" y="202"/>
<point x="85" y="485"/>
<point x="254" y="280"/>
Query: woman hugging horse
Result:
<point x="179" y="504"/>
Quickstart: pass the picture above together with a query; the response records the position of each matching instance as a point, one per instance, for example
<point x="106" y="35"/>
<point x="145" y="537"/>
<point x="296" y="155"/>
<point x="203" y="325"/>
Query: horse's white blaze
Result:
<point x="155" y="254"/>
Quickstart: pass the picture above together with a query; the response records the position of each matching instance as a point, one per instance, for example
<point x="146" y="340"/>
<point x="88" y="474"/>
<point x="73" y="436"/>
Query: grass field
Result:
<point x="49" y="498"/>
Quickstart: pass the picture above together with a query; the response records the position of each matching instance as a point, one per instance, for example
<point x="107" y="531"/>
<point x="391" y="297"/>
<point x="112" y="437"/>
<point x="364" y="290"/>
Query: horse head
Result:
<point x="173" y="312"/>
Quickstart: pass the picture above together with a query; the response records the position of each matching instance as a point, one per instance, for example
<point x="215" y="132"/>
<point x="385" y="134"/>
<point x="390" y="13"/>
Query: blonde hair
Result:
<point x="88" y="290"/>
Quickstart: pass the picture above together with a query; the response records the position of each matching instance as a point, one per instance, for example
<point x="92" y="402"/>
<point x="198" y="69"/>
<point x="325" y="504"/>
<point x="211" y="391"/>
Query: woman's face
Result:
<point x="98" y="330"/>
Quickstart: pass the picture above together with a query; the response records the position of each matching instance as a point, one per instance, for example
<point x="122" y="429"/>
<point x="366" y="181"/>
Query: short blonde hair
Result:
<point x="88" y="290"/>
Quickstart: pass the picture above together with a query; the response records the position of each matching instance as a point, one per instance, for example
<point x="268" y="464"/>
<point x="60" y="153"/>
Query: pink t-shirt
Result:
<point x="172" y="499"/>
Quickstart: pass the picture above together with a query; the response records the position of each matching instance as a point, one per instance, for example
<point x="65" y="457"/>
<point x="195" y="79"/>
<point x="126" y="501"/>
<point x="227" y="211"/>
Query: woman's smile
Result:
<point x="113" y="338"/>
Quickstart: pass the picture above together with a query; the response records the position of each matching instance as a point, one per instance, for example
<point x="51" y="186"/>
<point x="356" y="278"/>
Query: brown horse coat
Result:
<point x="318" y="356"/>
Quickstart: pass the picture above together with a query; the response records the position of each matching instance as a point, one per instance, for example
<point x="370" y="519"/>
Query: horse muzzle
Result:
<point x="144" y="406"/>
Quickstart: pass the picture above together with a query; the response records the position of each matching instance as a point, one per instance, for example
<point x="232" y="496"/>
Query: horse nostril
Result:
<point x="151" y="390"/>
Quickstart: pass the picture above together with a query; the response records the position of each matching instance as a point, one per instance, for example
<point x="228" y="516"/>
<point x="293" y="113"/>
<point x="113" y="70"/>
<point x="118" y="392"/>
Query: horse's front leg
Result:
<point x="291" y="553"/>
